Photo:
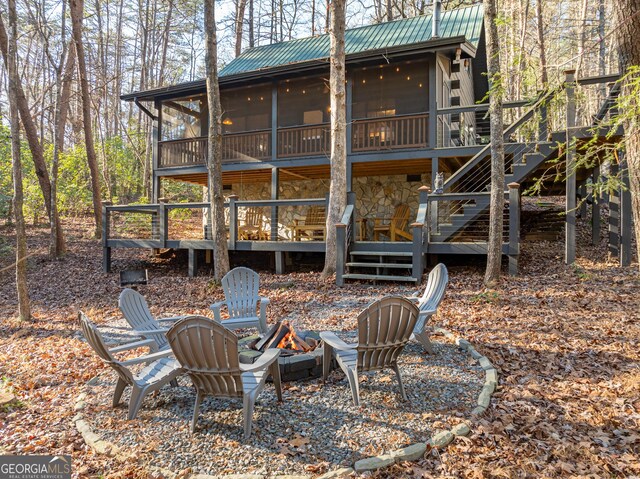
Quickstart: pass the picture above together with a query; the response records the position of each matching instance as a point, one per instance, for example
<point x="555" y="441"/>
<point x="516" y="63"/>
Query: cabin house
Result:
<point x="417" y="151"/>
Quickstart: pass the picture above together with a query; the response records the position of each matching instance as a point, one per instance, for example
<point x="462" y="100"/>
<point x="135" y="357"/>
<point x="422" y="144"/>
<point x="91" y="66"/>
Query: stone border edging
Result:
<point x="410" y="453"/>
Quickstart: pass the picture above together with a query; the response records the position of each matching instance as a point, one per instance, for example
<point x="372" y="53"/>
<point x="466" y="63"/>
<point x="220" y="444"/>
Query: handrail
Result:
<point x="391" y="117"/>
<point x="464" y="169"/>
<point x="344" y="237"/>
<point x="283" y="202"/>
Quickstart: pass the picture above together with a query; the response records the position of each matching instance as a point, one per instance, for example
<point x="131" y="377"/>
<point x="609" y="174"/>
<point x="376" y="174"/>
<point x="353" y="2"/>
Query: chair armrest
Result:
<point x="136" y="344"/>
<point x="171" y="319"/>
<point x="146" y="332"/>
<point x="268" y="358"/>
<point x="427" y="312"/>
<point x="415" y="299"/>
<point x="215" y="307"/>
<point x="335" y="342"/>
<point x="165" y="353"/>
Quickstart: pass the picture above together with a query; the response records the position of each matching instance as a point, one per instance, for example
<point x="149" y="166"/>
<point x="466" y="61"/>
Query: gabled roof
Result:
<point x="462" y="22"/>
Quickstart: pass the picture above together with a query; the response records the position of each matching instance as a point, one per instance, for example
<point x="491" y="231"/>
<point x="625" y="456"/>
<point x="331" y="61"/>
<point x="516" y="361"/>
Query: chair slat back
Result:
<point x="400" y="218"/>
<point x="209" y="354"/>
<point x="136" y="311"/>
<point x="94" y="338"/>
<point x="253" y="217"/>
<point x="240" y="287"/>
<point x="316" y="215"/>
<point x="436" y="286"/>
<point x="384" y="329"/>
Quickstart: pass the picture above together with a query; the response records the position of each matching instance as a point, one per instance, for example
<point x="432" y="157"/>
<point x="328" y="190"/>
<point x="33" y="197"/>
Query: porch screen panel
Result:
<point x="184" y="125"/>
<point x="246" y="109"/>
<point x="303" y="102"/>
<point x="390" y="90"/>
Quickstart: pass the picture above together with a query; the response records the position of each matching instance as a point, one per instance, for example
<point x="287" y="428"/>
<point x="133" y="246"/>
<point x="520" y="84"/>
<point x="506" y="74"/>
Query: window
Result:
<point x="184" y="118"/>
<point x="389" y="90"/>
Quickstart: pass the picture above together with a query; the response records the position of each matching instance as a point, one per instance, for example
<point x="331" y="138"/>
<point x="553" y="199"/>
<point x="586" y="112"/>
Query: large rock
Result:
<point x="374" y="463"/>
<point x="410" y="453"/>
<point x="441" y="439"/>
<point x="338" y="473"/>
<point x="461" y="429"/>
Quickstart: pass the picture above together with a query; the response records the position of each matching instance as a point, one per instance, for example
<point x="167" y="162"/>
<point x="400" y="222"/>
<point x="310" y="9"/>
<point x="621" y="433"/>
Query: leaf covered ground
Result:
<point x="566" y="340"/>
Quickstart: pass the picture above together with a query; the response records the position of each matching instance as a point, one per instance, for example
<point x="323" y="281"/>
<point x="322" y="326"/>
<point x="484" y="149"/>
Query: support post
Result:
<point x="583" y="200"/>
<point x="543" y="123"/>
<point x="349" y="100"/>
<point x="163" y="222"/>
<point x="274" y="121"/>
<point x="106" y="250"/>
<point x="341" y="235"/>
<point x="432" y="123"/>
<point x="614" y="217"/>
<point x="514" y="227"/>
<point x="155" y="152"/>
<point x="275" y="193"/>
<point x="570" y="229"/>
<point x="193" y="263"/>
<point x="595" y="208"/>
<point x="625" y="213"/>
<point x="433" y="210"/>
<point x="233" y="222"/>
<point x="417" y="267"/>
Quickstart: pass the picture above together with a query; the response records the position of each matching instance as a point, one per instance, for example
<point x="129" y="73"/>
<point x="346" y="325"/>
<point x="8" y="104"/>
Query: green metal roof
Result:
<point x="465" y="22"/>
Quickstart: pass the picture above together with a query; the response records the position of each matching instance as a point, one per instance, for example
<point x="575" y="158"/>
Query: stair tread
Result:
<point x="380" y="265"/>
<point x="377" y="277"/>
<point x="380" y="253"/>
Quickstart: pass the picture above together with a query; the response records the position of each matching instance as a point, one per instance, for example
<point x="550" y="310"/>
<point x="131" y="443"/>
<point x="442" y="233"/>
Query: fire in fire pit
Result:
<point x="283" y="336"/>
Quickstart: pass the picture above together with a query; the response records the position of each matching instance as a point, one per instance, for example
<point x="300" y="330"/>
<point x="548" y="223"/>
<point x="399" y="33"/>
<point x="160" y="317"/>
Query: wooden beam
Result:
<point x="570" y="201"/>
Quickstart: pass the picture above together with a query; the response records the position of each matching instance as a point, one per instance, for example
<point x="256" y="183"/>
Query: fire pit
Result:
<point x="300" y="352"/>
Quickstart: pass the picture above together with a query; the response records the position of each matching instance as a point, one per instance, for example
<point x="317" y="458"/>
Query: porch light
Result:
<point x="419" y="85"/>
<point x="381" y="77"/>
<point x="287" y="90"/>
<point x="397" y="69"/>
<point x="248" y="98"/>
<point x="408" y="78"/>
<point x="364" y="81"/>
<point x="227" y="121"/>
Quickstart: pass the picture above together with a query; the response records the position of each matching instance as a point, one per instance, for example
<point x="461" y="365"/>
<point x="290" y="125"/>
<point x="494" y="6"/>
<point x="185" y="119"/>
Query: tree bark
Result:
<point x="541" y="43"/>
<point x="214" y="151"/>
<point x="496" y="208"/>
<point x="627" y="15"/>
<point x="31" y="134"/>
<point x="338" y="187"/>
<point x="24" y="307"/>
<point x="77" y="11"/>
<point x="242" y="4"/>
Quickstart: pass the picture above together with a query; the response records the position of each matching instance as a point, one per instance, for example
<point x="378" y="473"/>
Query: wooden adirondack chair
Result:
<point x="160" y="368"/>
<point x="428" y="303"/>
<point x="240" y="287"/>
<point x="314" y="225"/>
<point x="136" y="311"/>
<point x="384" y="329"/>
<point x="396" y="229"/>
<point x="208" y="352"/>
<point x="252" y="229"/>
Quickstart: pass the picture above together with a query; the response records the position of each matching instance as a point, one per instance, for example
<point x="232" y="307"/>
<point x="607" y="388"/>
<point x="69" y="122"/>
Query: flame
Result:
<point x="288" y="342"/>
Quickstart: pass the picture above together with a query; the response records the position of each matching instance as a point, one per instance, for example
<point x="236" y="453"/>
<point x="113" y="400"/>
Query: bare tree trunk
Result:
<point x="496" y="208"/>
<point x="242" y="4"/>
<point x="583" y="37"/>
<point x="77" y="11"/>
<point x="338" y="187"/>
<point x="389" y="11"/>
<point x="24" y="307"/>
<point x="31" y="133"/>
<point x="251" y="26"/>
<point x="214" y="152"/>
<point x="543" y="50"/>
<point x="627" y="27"/>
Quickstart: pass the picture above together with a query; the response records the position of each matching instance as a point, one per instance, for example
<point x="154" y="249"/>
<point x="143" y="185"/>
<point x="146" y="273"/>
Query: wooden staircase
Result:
<point x="380" y="265"/>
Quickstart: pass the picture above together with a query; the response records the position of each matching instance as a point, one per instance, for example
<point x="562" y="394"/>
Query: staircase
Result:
<point x="456" y="221"/>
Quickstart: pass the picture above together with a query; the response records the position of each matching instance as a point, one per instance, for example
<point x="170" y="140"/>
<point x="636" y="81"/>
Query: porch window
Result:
<point x="184" y="118"/>
<point x="303" y="102"/>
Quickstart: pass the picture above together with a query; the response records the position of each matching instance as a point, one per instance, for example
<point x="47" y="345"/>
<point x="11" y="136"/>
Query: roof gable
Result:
<point x="465" y="22"/>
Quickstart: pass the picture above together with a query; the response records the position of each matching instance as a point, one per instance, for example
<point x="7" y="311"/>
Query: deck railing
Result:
<point x="400" y="131"/>
<point x="185" y="152"/>
<point x="308" y="140"/>
<point x="247" y="146"/>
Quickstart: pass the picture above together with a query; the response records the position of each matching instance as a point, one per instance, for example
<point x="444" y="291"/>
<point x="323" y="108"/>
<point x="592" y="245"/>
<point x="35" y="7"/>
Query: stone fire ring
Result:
<point x="297" y="367"/>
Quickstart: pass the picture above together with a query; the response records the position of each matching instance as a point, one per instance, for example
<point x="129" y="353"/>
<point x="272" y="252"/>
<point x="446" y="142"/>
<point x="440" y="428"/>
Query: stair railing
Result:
<point x="419" y="236"/>
<point x="344" y="237"/>
<point x="477" y="181"/>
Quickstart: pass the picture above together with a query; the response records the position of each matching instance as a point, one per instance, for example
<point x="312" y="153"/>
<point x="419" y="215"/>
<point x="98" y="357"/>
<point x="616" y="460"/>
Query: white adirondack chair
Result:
<point x="384" y="329"/>
<point x="240" y="287"/>
<point x="208" y="352"/>
<point x="428" y="304"/>
<point x="160" y="368"/>
<point x="136" y="311"/>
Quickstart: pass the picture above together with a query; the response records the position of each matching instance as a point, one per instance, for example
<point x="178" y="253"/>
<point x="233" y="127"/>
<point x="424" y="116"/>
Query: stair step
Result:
<point x="381" y="265"/>
<point x="379" y="277"/>
<point x="380" y="253"/>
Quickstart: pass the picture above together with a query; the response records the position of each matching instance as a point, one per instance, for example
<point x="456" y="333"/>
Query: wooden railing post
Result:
<point x="418" y="235"/>
<point x="162" y="229"/>
<point x="341" y="238"/>
<point x="543" y="122"/>
<point x="233" y="222"/>
<point x="514" y="227"/>
<point x="570" y="208"/>
<point x="106" y="249"/>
